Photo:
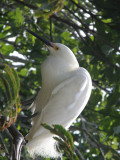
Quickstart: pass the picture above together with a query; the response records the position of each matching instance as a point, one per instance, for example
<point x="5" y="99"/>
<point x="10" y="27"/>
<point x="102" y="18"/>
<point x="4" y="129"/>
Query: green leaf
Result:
<point x="16" y="15"/>
<point x="117" y="130"/>
<point x="96" y="96"/>
<point x="10" y="85"/>
<point x="107" y="20"/>
<point x="5" y="86"/>
<point x="23" y="72"/>
<point x="6" y="49"/>
<point x="106" y="49"/>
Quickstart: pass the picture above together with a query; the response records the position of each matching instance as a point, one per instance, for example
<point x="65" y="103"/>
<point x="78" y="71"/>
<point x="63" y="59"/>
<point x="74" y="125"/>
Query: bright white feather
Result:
<point x="60" y="100"/>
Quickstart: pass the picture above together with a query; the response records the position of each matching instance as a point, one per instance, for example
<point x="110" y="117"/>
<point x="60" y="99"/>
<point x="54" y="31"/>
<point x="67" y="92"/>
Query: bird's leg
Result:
<point x="18" y="141"/>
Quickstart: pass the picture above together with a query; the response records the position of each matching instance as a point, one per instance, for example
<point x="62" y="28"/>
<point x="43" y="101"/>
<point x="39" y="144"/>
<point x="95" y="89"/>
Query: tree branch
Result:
<point x="26" y="4"/>
<point x="51" y="37"/>
<point x="16" y="59"/>
<point x="2" y="142"/>
<point x="95" y="17"/>
<point x="91" y="31"/>
<point x="18" y="139"/>
<point x="79" y="154"/>
<point x="101" y="57"/>
<point x="93" y="139"/>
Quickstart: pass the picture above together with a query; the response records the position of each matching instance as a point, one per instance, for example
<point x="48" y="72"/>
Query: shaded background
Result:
<point x="91" y="29"/>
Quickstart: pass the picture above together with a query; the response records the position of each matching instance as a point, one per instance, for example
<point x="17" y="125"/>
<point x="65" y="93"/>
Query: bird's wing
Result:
<point x="67" y="101"/>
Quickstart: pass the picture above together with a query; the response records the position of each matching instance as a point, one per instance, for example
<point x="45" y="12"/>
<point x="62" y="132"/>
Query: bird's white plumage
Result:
<point x="65" y="91"/>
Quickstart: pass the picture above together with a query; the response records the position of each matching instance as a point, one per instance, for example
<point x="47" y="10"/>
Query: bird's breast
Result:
<point x="54" y="70"/>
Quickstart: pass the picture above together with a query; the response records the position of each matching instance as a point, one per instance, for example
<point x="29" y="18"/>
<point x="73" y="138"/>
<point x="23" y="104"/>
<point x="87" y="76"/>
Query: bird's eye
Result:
<point x="56" y="47"/>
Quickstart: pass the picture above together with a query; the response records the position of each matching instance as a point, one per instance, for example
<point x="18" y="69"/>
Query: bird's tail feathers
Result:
<point x="32" y="107"/>
<point x="46" y="147"/>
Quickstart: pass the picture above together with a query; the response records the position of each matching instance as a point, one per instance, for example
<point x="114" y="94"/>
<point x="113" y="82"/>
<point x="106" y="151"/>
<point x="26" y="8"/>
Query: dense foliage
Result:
<point x="91" y="29"/>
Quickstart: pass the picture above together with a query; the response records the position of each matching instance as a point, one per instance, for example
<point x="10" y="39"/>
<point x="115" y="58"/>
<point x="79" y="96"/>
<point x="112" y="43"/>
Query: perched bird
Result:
<point x="65" y="91"/>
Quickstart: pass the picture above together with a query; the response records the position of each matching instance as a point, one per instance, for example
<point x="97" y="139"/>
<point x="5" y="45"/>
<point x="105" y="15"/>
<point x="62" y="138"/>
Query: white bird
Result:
<point x="65" y="91"/>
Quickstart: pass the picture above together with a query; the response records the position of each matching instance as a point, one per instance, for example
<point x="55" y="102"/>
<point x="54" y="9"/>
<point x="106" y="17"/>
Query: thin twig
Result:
<point x="51" y="37"/>
<point x="79" y="154"/>
<point x="6" y="41"/>
<point x="2" y="57"/>
<point x="105" y="60"/>
<point x="86" y="30"/>
<point x="95" y="17"/>
<point x="26" y="4"/>
<point x="17" y="59"/>
<point x="7" y="153"/>
<point x="93" y="139"/>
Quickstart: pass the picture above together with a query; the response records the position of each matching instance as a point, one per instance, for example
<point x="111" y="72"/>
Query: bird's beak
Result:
<point x="49" y="44"/>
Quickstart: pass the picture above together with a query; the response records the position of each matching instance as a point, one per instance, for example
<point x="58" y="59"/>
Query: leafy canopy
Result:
<point x="90" y="29"/>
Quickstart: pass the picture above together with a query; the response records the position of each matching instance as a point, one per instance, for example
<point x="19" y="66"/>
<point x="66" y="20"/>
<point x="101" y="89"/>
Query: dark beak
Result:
<point x="39" y="37"/>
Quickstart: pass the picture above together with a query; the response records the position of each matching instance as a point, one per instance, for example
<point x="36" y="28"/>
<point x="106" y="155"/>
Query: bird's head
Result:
<point x="57" y="49"/>
<point x="59" y="63"/>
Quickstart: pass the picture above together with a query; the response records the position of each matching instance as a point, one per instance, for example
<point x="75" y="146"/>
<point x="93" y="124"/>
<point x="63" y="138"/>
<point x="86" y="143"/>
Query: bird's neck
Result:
<point x="55" y="70"/>
<point x="51" y="81"/>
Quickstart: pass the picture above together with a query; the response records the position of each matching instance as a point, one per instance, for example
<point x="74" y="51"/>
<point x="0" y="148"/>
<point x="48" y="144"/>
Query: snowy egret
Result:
<point x="65" y="91"/>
